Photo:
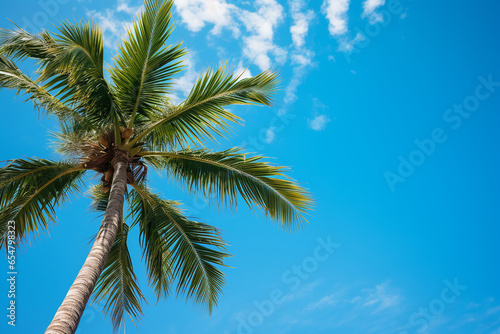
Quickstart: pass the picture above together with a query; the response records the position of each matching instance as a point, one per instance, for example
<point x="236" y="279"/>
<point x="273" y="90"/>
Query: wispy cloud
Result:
<point x="336" y="13"/>
<point x="124" y="6"/>
<point x="270" y="135"/>
<point x="381" y="297"/>
<point x="319" y="122"/>
<point x="347" y="44"/>
<point x="261" y="25"/>
<point x="301" y="20"/>
<point x="327" y="301"/>
<point x="185" y="82"/>
<point x="113" y="22"/>
<point x="301" y="57"/>
<point x="369" y="10"/>
<point x="242" y="71"/>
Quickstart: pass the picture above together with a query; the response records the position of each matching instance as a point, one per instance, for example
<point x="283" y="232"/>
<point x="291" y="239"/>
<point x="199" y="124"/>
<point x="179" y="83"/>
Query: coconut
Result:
<point x="126" y="133"/>
<point x="108" y="175"/>
<point x="104" y="141"/>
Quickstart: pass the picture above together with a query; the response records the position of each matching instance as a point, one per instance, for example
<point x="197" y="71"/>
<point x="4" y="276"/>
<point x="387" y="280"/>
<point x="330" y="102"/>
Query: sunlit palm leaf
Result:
<point x="30" y="190"/>
<point x="178" y="248"/>
<point x="229" y="173"/>
<point x="118" y="283"/>
<point x="202" y="113"/>
<point x="145" y="65"/>
<point x="20" y="44"/>
<point x="76" y="72"/>
<point x="12" y="77"/>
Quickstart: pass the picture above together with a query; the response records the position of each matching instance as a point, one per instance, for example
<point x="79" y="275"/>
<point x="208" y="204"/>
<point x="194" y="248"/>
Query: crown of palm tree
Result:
<point x="127" y="114"/>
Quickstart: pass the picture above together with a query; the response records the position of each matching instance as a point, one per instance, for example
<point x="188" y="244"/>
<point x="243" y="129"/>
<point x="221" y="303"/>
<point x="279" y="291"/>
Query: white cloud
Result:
<point x="244" y="72"/>
<point x="301" y="59"/>
<point x="259" y="46"/>
<point x="114" y="27"/>
<point x="336" y="13"/>
<point x="347" y="45"/>
<point x="124" y="6"/>
<point x="301" y="20"/>
<point x="270" y="135"/>
<point x="196" y="13"/>
<point x="185" y="82"/>
<point x="319" y="122"/>
<point x="330" y="300"/>
<point x="258" y="27"/>
<point x="381" y="297"/>
<point x="369" y="7"/>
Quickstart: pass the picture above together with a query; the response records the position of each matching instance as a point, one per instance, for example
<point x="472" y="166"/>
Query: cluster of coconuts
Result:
<point x="106" y="141"/>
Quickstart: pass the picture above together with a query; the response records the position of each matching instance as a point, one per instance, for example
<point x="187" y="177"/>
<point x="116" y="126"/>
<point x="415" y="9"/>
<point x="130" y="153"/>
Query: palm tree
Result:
<point x="120" y="125"/>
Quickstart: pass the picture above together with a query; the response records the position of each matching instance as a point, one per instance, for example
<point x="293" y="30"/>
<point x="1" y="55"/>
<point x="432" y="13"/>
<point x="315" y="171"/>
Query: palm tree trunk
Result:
<point x="71" y="310"/>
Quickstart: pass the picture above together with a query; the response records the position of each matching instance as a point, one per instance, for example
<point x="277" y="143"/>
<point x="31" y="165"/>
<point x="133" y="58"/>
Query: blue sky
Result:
<point x="388" y="114"/>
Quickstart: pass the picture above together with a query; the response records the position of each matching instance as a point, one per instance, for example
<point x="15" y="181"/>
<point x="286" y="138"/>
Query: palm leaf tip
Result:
<point x="30" y="189"/>
<point x="231" y="173"/>
<point x="202" y="115"/>
<point x="178" y="250"/>
<point x="118" y="283"/>
<point x="144" y="67"/>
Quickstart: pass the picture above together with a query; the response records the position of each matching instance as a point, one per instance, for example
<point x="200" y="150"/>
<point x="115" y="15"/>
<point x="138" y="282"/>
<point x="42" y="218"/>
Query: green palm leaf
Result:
<point x="178" y="248"/>
<point x="229" y="173"/>
<point x="30" y="190"/>
<point x="144" y="67"/>
<point x="202" y="113"/>
<point x="76" y="72"/>
<point x="20" y="44"/>
<point x="118" y="283"/>
<point x="12" y="77"/>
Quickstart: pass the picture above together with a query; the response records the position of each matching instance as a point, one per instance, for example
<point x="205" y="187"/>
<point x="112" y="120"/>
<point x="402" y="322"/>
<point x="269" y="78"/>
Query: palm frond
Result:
<point x="231" y="172"/>
<point x="12" y="77"/>
<point x="176" y="248"/>
<point x="144" y="68"/>
<point x="20" y="44"/>
<point x="29" y="191"/>
<point x="202" y="114"/>
<point x="76" y="72"/>
<point x="118" y="283"/>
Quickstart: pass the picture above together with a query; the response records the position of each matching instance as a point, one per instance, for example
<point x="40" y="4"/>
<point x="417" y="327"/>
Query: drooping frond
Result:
<point x="76" y="72"/>
<point x="20" y="44"/>
<point x="145" y="65"/>
<point x="12" y="77"/>
<point x="178" y="248"/>
<point x="202" y="114"/>
<point x="29" y="191"/>
<point x="228" y="173"/>
<point x="118" y="283"/>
